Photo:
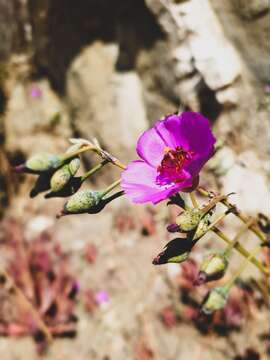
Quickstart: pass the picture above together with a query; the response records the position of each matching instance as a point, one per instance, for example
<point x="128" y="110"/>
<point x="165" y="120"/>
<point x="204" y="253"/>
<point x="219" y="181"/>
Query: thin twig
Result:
<point x="242" y="251"/>
<point x="7" y="280"/>
<point x="193" y="199"/>
<point x="238" y="213"/>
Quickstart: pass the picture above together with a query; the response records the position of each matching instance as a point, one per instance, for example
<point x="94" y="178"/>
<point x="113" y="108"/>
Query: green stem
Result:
<point x="110" y="188"/>
<point x="242" y="251"/>
<point x="93" y="170"/>
<point x="242" y="268"/>
<point x="245" y="220"/>
<point x="237" y="246"/>
<point x="83" y="149"/>
<point x="216" y="221"/>
<point x="193" y="199"/>
<point x="239" y="214"/>
<point x="237" y="237"/>
<point x="213" y="202"/>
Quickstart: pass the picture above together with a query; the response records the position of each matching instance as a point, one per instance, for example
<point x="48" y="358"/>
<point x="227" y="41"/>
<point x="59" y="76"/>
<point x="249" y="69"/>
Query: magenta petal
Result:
<point x="169" y="130"/>
<point x="197" y="163"/>
<point x="138" y="182"/>
<point x="195" y="134"/>
<point x="150" y="147"/>
<point x="173" y="153"/>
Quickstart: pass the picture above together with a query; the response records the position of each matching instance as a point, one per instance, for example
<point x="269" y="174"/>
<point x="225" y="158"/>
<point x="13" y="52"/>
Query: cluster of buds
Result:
<point x="193" y="223"/>
<point x="57" y="177"/>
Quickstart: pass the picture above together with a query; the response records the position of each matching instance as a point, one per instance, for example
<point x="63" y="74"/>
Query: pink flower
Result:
<point x="35" y="92"/>
<point x="101" y="297"/>
<point x="172" y="154"/>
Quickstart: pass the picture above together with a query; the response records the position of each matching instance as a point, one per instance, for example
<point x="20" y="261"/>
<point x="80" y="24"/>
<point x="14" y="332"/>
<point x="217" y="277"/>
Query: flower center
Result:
<point x="171" y="166"/>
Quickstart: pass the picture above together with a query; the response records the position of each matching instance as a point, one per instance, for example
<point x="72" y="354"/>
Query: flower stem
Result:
<point x="213" y="202"/>
<point x="118" y="163"/>
<point x="25" y="304"/>
<point x="216" y="221"/>
<point x="238" y="213"/>
<point x="193" y="199"/>
<point x="93" y="170"/>
<point x="73" y="154"/>
<point x="243" y="267"/>
<point x="242" y="251"/>
<point x="245" y="220"/>
<point x="228" y="251"/>
<point x="104" y="154"/>
<point x="110" y="188"/>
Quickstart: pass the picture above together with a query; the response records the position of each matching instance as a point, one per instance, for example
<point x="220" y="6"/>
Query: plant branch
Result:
<point x="7" y="280"/>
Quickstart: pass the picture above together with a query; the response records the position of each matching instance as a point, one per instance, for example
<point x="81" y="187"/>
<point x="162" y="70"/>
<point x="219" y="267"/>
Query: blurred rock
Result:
<point x="248" y="181"/>
<point x="250" y="9"/>
<point x="214" y="56"/>
<point x="228" y="96"/>
<point x="222" y="161"/>
<point x="106" y="104"/>
<point x="37" y="225"/>
<point x="36" y="119"/>
<point x="13" y="27"/>
<point x="215" y="72"/>
<point x="249" y="38"/>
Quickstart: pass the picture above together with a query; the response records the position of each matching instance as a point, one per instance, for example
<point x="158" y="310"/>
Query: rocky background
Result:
<point x="108" y="69"/>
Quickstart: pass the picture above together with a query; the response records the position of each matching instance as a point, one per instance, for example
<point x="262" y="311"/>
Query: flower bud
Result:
<point x="60" y="178"/>
<point x="83" y="201"/>
<point x="188" y="220"/>
<point x="74" y="165"/>
<point x="43" y="162"/>
<point x="173" y="228"/>
<point x="70" y="189"/>
<point x="42" y="184"/>
<point x="202" y="227"/>
<point x="176" y="251"/>
<point x="215" y="299"/>
<point x="212" y="268"/>
<point x="162" y="258"/>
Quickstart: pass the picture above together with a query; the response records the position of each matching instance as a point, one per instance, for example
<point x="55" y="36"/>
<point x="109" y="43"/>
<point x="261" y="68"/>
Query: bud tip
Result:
<point x="201" y="279"/>
<point x="19" y="168"/>
<point x="61" y="214"/>
<point x="173" y="228"/>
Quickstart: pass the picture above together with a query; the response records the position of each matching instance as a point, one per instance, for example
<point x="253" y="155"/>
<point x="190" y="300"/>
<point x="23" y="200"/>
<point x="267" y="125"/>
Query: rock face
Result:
<point x="36" y="119"/>
<point x="101" y="75"/>
<point x="247" y="179"/>
<point x="251" y="9"/>
<point x="216" y="71"/>
<point x="106" y="104"/>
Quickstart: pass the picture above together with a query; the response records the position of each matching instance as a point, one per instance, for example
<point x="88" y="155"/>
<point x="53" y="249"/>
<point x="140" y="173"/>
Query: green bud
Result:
<point x="42" y="184"/>
<point x="83" y="201"/>
<point x="215" y="300"/>
<point x="43" y="162"/>
<point x="188" y="220"/>
<point x="60" y="178"/>
<point x="213" y="268"/>
<point x="176" y="251"/>
<point x="179" y="258"/>
<point x="70" y="189"/>
<point x="74" y="148"/>
<point x="202" y="227"/>
<point x="74" y="165"/>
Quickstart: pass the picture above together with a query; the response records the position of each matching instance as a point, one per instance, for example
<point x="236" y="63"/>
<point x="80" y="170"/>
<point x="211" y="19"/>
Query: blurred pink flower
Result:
<point x="267" y="89"/>
<point x="35" y="92"/>
<point x="172" y="154"/>
<point x="101" y="297"/>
